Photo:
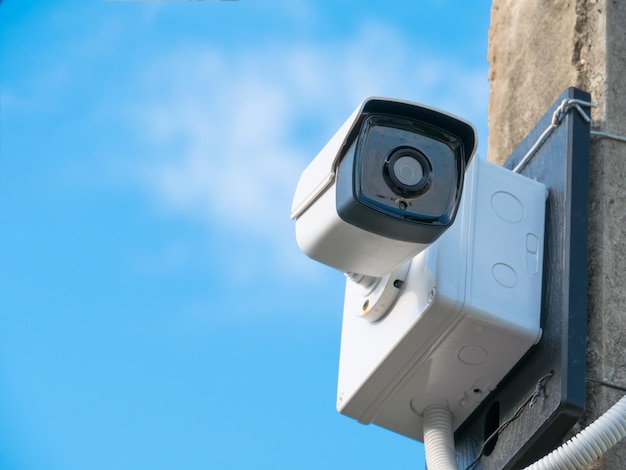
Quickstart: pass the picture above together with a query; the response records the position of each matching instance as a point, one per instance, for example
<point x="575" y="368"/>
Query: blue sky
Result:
<point x="155" y="311"/>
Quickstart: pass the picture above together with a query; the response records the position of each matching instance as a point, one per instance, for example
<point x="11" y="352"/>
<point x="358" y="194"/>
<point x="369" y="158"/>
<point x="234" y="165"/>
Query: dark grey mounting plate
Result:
<point x="562" y="164"/>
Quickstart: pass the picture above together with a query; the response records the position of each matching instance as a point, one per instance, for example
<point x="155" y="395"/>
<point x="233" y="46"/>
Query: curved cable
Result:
<point x="589" y="444"/>
<point x="439" y="439"/>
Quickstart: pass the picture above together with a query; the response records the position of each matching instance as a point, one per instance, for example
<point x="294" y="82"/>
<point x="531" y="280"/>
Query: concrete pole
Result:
<point x="537" y="48"/>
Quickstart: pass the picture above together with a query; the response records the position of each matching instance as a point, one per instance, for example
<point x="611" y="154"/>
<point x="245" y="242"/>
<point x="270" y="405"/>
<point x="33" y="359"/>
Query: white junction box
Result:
<point x="467" y="312"/>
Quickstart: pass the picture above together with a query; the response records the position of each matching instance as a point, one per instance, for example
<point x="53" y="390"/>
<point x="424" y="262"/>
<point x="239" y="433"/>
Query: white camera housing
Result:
<point x="386" y="186"/>
<point x="467" y="311"/>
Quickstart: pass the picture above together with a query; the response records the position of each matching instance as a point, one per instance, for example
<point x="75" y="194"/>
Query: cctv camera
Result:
<point x="437" y="311"/>
<point x="387" y="185"/>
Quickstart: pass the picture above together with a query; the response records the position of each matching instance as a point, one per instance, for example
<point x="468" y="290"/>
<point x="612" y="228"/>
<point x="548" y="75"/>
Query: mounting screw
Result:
<point x="431" y="294"/>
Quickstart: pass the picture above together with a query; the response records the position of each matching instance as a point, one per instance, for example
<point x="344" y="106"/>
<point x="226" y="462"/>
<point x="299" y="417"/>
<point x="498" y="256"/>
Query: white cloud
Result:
<point x="227" y="128"/>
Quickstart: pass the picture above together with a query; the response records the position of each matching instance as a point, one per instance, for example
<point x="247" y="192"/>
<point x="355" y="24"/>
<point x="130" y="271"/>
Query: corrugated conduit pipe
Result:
<point x="589" y="444"/>
<point x="439" y="439"/>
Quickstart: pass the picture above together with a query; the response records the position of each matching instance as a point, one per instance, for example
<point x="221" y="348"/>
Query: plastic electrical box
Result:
<point x="466" y="313"/>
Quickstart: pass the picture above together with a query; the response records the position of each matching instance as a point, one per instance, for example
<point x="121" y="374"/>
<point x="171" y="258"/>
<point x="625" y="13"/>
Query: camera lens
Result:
<point x="407" y="172"/>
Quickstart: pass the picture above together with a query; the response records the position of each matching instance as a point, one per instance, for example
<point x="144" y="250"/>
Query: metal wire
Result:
<point x="530" y="401"/>
<point x="557" y="117"/>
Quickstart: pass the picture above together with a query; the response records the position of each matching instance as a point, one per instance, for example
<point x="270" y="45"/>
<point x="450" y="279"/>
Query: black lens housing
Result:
<point x="371" y="197"/>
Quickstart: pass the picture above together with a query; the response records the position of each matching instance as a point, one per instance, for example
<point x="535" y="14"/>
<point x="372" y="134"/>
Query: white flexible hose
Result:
<point x="439" y="439"/>
<point x="589" y="444"/>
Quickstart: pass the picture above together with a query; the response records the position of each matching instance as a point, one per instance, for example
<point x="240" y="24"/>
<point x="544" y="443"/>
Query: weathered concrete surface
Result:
<point x="537" y="48"/>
